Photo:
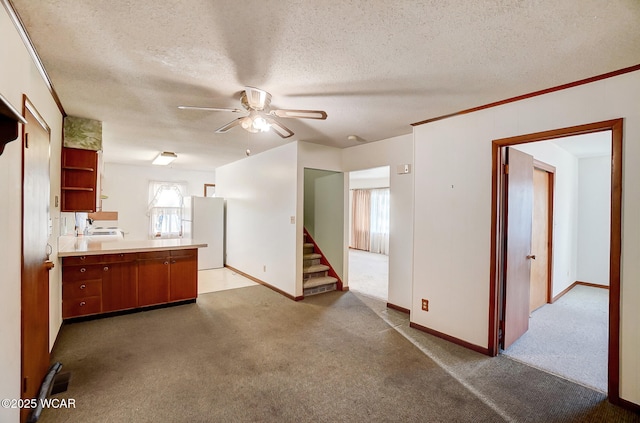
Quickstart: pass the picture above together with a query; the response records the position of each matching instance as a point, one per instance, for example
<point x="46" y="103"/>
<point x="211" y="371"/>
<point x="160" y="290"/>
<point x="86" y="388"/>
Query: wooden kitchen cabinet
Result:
<point x="123" y="281"/>
<point x="79" y="180"/>
<point x="183" y="275"/>
<point x="153" y="278"/>
<point x="81" y="286"/>
<point x="119" y="282"/>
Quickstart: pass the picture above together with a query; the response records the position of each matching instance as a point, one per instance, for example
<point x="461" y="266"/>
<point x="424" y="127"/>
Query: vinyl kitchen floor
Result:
<point x="212" y="280"/>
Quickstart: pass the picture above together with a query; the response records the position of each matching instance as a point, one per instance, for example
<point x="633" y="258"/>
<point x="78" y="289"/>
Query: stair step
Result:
<point x="315" y="282"/>
<point x="315" y="268"/>
<point x="312" y="256"/>
<point x="313" y="262"/>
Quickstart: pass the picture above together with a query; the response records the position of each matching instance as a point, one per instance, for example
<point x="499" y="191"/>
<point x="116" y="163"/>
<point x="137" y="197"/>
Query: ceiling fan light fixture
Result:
<point x="164" y="158"/>
<point x="255" y="123"/>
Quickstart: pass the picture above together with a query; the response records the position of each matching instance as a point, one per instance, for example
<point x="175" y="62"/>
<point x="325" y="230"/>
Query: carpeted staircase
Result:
<point x="315" y="271"/>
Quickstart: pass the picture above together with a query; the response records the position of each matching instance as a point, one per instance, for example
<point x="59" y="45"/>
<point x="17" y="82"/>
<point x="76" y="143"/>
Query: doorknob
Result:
<point x="532" y="256"/>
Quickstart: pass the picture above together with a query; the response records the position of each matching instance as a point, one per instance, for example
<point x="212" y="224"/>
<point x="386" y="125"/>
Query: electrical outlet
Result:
<point x="425" y="304"/>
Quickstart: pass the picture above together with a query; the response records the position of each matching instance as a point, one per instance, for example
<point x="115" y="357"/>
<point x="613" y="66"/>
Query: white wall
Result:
<point x="19" y="75"/>
<point x="452" y="239"/>
<point x="370" y="183"/>
<point x="565" y="210"/>
<point x="128" y="190"/>
<point x="260" y="193"/>
<point x="594" y="219"/>
<point x="392" y="152"/>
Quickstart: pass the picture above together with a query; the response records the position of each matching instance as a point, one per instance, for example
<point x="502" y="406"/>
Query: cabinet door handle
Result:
<point x="106" y="268"/>
<point x="82" y="257"/>
<point x="82" y="303"/>
<point x="166" y="262"/>
<point x="83" y="270"/>
<point x="83" y="286"/>
<point x="173" y="261"/>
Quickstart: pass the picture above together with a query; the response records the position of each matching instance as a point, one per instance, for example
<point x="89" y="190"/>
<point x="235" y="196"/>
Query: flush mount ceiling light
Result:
<point x="355" y="138"/>
<point x="165" y="158"/>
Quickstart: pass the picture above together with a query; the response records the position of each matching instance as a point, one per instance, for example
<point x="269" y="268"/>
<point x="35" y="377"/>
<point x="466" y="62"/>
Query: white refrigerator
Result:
<point x="203" y="221"/>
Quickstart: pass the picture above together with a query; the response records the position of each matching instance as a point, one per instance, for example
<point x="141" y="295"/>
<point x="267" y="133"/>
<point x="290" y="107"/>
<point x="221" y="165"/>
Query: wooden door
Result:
<point x="540" y="239"/>
<point x="35" y="265"/>
<point x="519" y="211"/>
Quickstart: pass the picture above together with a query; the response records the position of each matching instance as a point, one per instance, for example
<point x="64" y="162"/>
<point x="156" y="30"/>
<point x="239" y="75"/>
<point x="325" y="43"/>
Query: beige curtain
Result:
<point x="360" y="218"/>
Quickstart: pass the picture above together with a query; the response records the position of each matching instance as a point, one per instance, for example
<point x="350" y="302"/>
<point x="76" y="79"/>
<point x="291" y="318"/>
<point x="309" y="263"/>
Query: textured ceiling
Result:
<point x="375" y="67"/>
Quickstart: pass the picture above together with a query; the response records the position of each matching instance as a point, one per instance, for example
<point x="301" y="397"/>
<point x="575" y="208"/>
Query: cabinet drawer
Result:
<point x="81" y="289"/>
<point x="153" y="255"/>
<point x="81" y="306"/>
<point x="81" y="273"/>
<point x="120" y="257"/>
<point x="80" y="260"/>
<point x="192" y="252"/>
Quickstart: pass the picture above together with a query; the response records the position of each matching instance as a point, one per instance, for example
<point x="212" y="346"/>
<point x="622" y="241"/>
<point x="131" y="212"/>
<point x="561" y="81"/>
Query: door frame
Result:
<point x="498" y="244"/>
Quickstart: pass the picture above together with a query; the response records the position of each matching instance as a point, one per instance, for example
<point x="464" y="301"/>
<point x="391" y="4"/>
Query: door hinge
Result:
<point x="505" y="169"/>
<point x="26" y="140"/>
<point x="500" y="330"/>
<point x="24" y="385"/>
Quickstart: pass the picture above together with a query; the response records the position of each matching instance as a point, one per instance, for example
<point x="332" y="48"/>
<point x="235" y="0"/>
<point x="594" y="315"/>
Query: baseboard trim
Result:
<point x="263" y="283"/>
<point x="452" y="339"/>
<point x="594" y="285"/>
<point x="628" y="405"/>
<point x="573" y="285"/>
<point x="344" y="288"/>
<point x="398" y="308"/>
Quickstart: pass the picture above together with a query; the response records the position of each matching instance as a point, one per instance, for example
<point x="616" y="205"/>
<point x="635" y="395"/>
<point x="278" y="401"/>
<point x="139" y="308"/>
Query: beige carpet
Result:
<point x="249" y="355"/>
<point x="369" y="273"/>
<point x="569" y="337"/>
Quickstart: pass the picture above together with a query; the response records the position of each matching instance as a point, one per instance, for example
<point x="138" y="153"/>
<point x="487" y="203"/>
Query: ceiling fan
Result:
<point x="261" y="117"/>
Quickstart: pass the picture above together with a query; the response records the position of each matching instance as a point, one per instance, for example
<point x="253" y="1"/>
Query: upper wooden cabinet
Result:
<point x="80" y="180"/>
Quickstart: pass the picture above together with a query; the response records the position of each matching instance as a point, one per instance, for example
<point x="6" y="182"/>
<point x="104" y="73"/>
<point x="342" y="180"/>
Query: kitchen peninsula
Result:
<point x="108" y="276"/>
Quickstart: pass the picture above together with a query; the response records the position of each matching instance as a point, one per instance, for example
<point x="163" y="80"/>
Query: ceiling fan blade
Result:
<point x="229" y="125"/>
<point x="210" y="109"/>
<point x="256" y="98"/>
<point x="279" y="128"/>
<point x="303" y="114"/>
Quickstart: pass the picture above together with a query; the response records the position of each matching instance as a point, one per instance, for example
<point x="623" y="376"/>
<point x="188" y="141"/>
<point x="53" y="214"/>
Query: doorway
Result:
<point x="369" y="207"/>
<point x="35" y="254"/>
<point x="499" y="242"/>
<point x="567" y="334"/>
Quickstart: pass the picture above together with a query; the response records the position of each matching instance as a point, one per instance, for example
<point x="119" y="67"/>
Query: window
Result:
<point x="370" y="220"/>
<point x="165" y="209"/>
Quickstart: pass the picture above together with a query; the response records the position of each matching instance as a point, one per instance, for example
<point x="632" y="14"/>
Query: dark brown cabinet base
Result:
<point x="114" y="282"/>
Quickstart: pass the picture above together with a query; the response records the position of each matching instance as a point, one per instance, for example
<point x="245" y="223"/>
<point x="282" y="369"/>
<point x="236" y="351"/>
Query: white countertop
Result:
<point x="70" y="246"/>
